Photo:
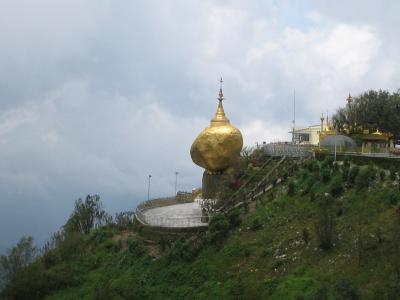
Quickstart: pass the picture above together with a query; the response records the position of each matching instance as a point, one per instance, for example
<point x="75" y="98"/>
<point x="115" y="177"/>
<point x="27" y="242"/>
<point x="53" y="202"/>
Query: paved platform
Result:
<point x="178" y="215"/>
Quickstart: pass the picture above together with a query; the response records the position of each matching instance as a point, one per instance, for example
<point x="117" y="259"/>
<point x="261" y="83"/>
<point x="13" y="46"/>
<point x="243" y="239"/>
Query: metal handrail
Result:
<point x="287" y="149"/>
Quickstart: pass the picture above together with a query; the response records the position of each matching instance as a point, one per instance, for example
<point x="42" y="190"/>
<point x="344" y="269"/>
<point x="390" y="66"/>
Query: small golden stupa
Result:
<point x="217" y="147"/>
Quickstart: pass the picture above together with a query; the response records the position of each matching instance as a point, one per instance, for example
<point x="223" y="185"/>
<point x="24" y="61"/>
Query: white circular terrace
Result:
<point x="173" y="215"/>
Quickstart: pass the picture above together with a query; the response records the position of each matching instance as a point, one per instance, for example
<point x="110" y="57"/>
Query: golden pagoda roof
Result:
<point x="218" y="145"/>
<point x="220" y="117"/>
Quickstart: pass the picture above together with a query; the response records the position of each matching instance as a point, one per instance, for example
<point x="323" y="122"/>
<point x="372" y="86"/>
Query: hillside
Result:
<point x="327" y="231"/>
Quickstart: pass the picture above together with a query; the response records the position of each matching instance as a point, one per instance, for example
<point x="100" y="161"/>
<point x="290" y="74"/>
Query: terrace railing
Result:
<point x="166" y="221"/>
<point x="288" y="150"/>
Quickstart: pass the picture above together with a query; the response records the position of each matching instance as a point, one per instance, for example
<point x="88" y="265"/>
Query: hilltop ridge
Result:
<point x="326" y="230"/>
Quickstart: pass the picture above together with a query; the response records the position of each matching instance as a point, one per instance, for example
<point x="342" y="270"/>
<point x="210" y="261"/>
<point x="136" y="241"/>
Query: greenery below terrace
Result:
<point x="328" y="231"/>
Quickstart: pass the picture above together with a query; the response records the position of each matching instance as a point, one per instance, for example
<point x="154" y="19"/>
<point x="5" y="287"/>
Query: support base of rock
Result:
<point x="213" y="184"/>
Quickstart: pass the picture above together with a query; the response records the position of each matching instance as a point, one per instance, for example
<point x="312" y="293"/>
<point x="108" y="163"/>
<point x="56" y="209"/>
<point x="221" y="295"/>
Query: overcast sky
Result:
<point x="96" y="95"/>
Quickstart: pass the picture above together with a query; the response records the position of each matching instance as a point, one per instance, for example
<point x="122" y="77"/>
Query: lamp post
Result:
<point x="148" y="189"/>
<point x="176" y="181"/>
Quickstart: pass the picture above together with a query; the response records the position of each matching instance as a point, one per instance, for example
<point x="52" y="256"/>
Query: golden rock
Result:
<point x="218" y="145"/>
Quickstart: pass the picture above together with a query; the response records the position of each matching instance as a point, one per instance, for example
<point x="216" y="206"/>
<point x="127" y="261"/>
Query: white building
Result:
<point x="307" y="135"/>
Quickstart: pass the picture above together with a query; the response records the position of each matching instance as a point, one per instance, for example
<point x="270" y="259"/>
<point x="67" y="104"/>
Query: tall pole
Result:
<point x="148" y="189"/>
<point x="176" y="182"/>
<point x="294" y="113"/>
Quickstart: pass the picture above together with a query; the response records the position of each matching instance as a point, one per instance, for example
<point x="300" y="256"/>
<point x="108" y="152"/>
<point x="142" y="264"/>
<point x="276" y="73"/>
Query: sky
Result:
<point x="97" y="95"/>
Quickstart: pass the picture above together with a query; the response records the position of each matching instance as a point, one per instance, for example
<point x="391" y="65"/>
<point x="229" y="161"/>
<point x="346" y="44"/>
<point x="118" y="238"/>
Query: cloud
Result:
<point x="258" y="131"/>
<point x="12" y="119"/>
<point x="96" y="96"/>
<point x="319" y="62"/>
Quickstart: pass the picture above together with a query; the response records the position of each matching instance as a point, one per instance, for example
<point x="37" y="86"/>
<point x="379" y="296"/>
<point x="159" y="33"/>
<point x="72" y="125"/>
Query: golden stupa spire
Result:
<point x="218" y="146"/>
<point x="221" y="94"/>
<point x="220" y="117"/>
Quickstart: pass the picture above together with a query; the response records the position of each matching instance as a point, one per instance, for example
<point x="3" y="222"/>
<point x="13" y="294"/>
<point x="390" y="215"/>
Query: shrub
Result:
<point x="371" y="171"/>
<point x="136" y="248"/>
<point x="273" y="180"/>
<point x="345" y="290"/>
<point x="309" y="184"/>
<point x="237" y="291"/>
<point x="326" y="175"/>
<point x="336" y="188"/>
<point x="304" y="174"/>
<point x="312" y="196"/>
<point x="346" y="163"/>
<point x="324" y="226"/>
<point x="246" y="206"/>
<point x="49" y="259"/>
<point x="353" y="175"/>
<point x="124" y="220"/>
<point x="164" y="243"/>
<point x="335" y="167"/>
<point x="392" y="196"/>
<point x="382" y="175"/>
<point x="182" y="250"/>
<point x="218" y="227"/>
<point x="110" y="246"/>
<point x="305" y="235"/>
<point x="312" y="165"/>
<point x="328" y="161"/>
<point x="291" y="188"/>
<point x="363" y="179"/>
<point x="99" y="235"/>
<point x="345" y="173"/>
<point x="393" y="174"/>
<point x="256" y="224"/>
<point x="71" y="246"/>
<point x="285" y="176"/>
<point x="234" y="217"/>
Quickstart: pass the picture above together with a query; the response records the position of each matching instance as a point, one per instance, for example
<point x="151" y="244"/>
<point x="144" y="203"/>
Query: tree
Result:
<point x="18" y="257"/>
<point x="371" y="110"/>
<point x="124" y="220"/>
<point x="87" y="215"/>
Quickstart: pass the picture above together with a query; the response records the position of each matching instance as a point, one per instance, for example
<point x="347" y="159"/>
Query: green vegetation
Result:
<point x="311" y="236"/>
<point x="18" y="258"/>
<point x="371" y="110"/>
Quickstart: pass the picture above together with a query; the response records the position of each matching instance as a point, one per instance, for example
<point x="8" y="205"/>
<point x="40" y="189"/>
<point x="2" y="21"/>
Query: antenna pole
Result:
<point x="294" y="113"/>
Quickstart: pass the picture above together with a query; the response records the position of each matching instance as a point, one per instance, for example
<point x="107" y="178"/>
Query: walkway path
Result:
<point x="177" y="215"/>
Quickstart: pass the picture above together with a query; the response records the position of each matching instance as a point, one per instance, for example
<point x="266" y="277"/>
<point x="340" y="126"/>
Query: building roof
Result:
<point x="306" y="128"/>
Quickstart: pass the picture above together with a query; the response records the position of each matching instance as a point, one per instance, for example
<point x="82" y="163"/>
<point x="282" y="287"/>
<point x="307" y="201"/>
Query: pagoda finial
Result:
<point x="221" y="94"/>
<point x="220" y="117"/>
